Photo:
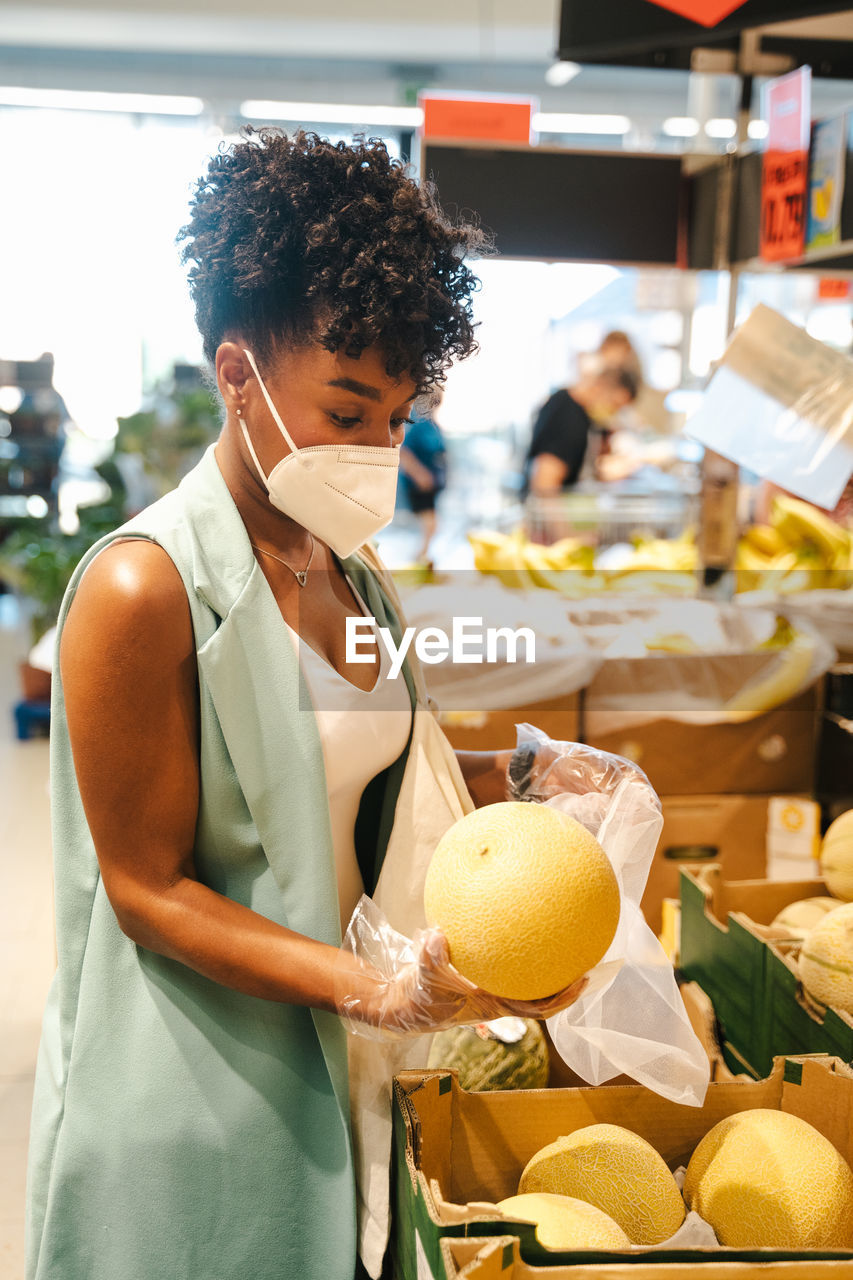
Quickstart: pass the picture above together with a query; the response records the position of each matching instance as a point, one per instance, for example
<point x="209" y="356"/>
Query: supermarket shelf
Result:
<point x="836" y="259"/>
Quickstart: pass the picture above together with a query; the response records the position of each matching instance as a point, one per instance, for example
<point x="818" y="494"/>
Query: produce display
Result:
<point x="767" y="1179"/>
<point x="799" y="918"/>
<point x="525" y="896"/>
<point x="800" y="549"/>
<point x="655" y="566"/>
<point x="760" y="1178"/>
<point x="825" y="963"/>
<point x="616" y="1170"/>
<point x="508" y="1053"/>
<point x="563" y="1222"/>
<point x="836" y="857"/>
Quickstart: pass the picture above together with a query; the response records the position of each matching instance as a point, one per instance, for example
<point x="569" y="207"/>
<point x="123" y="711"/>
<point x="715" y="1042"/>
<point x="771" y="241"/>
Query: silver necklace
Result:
<point x="301" y="575"/>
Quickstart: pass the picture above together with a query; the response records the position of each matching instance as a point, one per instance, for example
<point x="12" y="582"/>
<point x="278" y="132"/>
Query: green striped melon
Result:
<point x="485" y="1062"/>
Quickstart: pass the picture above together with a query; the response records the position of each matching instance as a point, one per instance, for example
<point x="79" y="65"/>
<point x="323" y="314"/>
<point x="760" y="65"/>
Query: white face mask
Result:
<point x="342" y="493"/>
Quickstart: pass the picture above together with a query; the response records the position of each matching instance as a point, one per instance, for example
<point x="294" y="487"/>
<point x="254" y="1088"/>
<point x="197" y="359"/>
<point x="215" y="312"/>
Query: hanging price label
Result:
<point x="785" y="171"/>
<point x="783" y="204"/>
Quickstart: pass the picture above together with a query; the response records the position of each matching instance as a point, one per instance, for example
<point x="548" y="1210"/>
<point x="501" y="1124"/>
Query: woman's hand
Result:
<point x="428" y="994"/>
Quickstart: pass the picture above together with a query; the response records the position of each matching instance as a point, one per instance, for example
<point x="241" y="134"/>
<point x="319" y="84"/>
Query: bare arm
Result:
<point x="547" y="474"/>
<point x="485" y="775"/>
<point x="415" y="470"/>
<point x="129" y="676"/>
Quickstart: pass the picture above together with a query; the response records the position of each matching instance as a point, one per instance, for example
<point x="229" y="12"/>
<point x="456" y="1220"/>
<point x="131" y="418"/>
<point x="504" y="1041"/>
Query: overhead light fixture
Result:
<point x="560" y="73"/>
<point x="567" y="122"/>
<point x="681" y="127"/>
<point x="332" y="113"/>
<point x="720" y="128"/>
<point x="758" y="129"/>
<point x="85" y="100"/>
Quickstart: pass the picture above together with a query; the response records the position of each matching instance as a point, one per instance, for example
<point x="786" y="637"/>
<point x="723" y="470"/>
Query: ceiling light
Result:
<point x="758" y="128"/>
<point x="681" y="127"/>
<point x="720" y="128"/>
<point x="563" y="122"/>
<point x="333" y="113"/>
<point x="560" y="73"/>
<point x="79" y="100"/>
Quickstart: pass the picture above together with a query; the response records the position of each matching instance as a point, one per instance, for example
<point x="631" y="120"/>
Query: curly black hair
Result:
<point x="295" y="237"/>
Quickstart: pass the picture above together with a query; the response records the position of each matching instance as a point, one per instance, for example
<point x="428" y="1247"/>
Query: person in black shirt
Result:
<point x="569" y="422"/>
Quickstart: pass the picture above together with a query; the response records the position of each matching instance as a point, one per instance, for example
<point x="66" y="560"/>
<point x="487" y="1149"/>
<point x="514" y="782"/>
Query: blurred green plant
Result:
<point x="37" y="559"/>
<point x="172" y="433"/>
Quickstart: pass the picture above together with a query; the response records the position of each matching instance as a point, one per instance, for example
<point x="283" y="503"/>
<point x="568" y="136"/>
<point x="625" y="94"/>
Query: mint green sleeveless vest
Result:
<point x="181" y="1130"/>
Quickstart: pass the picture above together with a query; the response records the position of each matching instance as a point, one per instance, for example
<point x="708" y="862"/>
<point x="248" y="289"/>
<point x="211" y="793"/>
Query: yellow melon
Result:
<point x="799" y="918"/>
<point x="617" y="1171"/>
<point x="766" y="1179"/>
<point x="826" y="959"/>
<point x="836" y="857"/>
<point x="566" y="1223"/>
<point x="526" y="897"/>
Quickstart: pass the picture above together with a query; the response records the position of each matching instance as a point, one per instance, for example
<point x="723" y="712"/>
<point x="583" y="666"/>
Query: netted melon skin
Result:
<point x="767" y="1179"/>
<point x="564" y="1222"/>
<point x="526" y="898"/>
<point x="825" y="963"/>
<point x="616" y="1170"/>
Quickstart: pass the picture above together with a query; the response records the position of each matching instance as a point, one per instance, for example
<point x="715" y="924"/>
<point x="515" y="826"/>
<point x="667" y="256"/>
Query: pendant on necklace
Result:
<point x="302" y="576"/>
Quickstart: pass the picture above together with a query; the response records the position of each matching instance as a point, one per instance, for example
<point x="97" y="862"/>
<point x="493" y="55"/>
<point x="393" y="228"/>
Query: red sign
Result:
<point x="477" y="119"/>
<point x="706" y="12"/>
<point x="785" y="172"/>
<point x="831" y="288"/>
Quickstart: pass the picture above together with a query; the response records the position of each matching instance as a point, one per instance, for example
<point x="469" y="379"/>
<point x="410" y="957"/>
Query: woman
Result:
<point x="222" y="787"/>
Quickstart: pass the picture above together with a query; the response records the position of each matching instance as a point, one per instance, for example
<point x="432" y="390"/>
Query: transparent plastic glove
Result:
<point x="635" y="1022"/>
<point x="388" y="986"/>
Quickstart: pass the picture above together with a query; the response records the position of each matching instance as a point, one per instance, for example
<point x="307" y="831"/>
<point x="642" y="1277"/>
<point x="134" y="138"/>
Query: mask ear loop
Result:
<point x="295" y="451"/>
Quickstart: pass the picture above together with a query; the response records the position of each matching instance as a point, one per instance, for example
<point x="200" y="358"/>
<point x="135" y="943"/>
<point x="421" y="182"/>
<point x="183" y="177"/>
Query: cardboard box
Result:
<point x="500" y="1259"/>
<point x="489" y="730"/>
<point x="730" y="830"/>
<point x="772" y="753"/>
<point x="455" y="1154"/>
<point x="748" y="970"/>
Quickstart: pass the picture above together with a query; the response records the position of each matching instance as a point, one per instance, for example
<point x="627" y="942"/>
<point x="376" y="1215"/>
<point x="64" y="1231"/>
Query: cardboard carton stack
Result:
<point x="748" y="969"/>
<point x="456" y="1154"/>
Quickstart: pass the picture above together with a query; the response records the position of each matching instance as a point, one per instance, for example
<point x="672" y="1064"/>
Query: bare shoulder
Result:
<point x="131" y="600"/>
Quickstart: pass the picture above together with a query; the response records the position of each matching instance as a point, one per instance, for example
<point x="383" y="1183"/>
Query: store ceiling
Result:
<point x="402" y="30"/>
<point x="372" y="51"/>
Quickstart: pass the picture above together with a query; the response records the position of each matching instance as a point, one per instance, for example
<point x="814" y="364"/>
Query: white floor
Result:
<point x="26" y="937"/>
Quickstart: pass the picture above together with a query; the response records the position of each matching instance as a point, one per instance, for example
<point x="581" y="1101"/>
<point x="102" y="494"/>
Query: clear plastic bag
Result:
<point x="635" y="1022"/>
<point x="628" y="1018"/>
<point x="407" y="986"/>
<point x="781" y="405"/>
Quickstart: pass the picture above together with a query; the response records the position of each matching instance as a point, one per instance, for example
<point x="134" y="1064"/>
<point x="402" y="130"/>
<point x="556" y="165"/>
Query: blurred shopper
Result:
<point x="616" y="351"/>
<point x="572" y="429"/>
<point x="225" y="781"/>
<point x="423" y="472"/>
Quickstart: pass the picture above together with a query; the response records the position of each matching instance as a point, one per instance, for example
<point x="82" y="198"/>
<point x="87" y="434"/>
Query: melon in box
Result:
<point x="458" y="1154"/>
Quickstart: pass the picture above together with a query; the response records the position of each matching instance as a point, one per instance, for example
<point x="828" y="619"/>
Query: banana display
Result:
<point x="800" y="549"/>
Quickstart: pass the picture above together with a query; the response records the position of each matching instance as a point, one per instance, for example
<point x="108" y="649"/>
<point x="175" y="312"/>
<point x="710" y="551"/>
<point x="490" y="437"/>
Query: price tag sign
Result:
<point x="785" y="172"/>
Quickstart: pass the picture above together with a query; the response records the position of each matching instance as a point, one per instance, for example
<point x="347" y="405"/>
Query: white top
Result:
<point x="361" y="732"/>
